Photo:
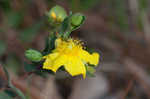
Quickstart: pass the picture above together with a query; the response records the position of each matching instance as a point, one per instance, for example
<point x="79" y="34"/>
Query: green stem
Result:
<point x="67" y="34"/>
<point x="20" y="94"/>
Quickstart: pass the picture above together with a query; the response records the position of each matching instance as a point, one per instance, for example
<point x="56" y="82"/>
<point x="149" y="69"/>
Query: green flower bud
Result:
<point x="57" y="14"/>
<point x="77" y="19"/>
<point x="33" y="55"/>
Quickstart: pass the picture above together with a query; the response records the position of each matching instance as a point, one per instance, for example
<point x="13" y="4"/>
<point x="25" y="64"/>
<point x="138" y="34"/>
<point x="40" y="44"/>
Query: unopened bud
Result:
<point x="33" y="55"/>
<point x="57" y="14"/>
<point x="77" y="19"/>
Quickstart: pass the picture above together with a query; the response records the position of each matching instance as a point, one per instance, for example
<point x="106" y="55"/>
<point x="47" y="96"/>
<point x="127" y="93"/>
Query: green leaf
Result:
<point x="29" y="67"/>
<point x="4" y="95"/>
<point x="66" y="25"/>
<point x="66" y="28"/>
<point x="50" y="44"/>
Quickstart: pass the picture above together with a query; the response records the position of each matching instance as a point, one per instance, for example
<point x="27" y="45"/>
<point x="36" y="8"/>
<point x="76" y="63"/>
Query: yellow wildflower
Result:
<point x="71" y="55"/>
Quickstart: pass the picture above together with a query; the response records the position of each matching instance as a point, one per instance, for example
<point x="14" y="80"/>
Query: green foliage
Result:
<point x="68" y="23"/>
<point x="49" y="44"/>
<point x="65" y="28"/>
<point x="71" y="23"/>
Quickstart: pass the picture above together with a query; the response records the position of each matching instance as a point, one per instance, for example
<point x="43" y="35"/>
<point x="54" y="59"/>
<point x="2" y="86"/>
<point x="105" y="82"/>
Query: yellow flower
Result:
<point x="71" y="55"/>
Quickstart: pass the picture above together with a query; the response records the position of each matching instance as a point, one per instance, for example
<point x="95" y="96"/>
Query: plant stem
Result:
<point x="20" y="94"/>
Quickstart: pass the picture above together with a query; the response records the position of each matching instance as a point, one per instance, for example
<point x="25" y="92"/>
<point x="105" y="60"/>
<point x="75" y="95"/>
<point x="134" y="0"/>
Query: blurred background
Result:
<point x="118" y="29"/>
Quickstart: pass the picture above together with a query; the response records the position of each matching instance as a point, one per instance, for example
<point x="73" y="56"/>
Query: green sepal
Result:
<point x="77" y="20"/>
<point x="90" y="70"/>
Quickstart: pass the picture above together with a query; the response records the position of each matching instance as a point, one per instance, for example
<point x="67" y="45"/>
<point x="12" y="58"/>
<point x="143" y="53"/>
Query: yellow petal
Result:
<point x="58" y="62"/>
<point x="84" y="55"/>
<point x="47" y="64"/>
<point x="89" y="58"/>
<point x="51" y="56"/>
<point x="54" y="62"/>
<point x="74" y="66"/>
<point x="94" y="59"/>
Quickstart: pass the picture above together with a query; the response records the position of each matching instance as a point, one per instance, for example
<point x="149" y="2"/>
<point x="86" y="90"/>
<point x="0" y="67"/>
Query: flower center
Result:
<point x="70" y="47"/>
